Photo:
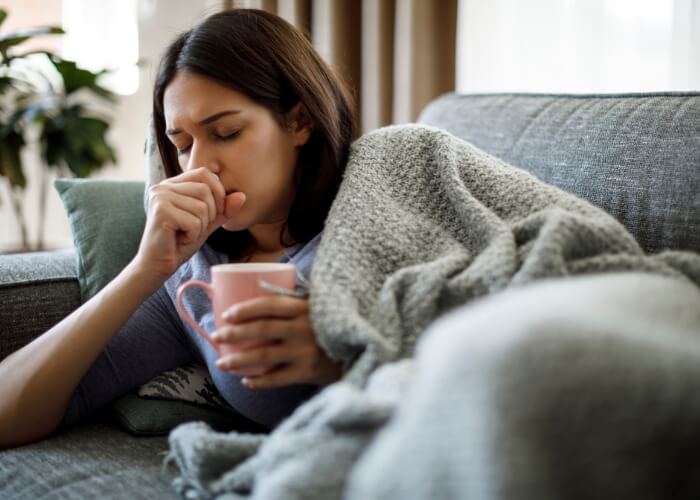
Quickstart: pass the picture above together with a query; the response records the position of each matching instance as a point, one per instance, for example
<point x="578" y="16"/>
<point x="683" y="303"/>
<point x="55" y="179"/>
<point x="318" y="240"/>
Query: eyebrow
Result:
<point x="208" y="119"/>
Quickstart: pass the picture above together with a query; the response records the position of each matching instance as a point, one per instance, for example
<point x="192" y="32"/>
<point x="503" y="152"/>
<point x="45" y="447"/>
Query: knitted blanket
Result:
<point x="424" y="222"/>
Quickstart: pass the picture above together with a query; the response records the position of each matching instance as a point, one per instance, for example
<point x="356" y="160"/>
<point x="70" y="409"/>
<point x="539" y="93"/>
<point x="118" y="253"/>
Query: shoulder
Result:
<point x="407" y="133"/>
<point x="398" y="144"/>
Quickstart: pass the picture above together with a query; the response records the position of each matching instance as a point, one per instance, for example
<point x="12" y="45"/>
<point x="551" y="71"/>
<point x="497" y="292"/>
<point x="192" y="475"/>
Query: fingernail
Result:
<point x="231" y="313"/>
<point x="216" y="337"/>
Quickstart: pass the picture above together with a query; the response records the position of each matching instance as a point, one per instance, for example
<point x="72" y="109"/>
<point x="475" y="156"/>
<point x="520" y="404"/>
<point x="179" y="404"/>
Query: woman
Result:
<point x="253" y="129"/>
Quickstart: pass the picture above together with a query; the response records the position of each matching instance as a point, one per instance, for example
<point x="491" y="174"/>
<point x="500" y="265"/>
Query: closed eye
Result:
<point x="218" y="137"/>
<point x="227" y="137"/>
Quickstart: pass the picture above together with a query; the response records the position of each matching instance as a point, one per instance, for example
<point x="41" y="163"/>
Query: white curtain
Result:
<point x="581" y="46"/>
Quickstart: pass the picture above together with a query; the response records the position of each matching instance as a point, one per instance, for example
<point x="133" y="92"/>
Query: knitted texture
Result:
<point x="423" y="222"/>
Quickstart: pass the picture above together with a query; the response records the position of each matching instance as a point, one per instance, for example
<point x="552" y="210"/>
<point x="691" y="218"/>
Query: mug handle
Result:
<point x="183" y="311"/>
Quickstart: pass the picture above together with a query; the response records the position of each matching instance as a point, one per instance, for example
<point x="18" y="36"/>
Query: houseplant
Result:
<point x="49" y="102"/>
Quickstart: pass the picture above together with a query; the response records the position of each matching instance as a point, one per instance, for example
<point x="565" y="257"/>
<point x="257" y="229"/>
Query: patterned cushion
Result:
<point x="189" y="383"/>
<point x="176" y="396"/>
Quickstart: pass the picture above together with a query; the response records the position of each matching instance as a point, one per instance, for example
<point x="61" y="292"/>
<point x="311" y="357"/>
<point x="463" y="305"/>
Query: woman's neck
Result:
<point x="266" y="238"/>
<point x="260" y="257"/>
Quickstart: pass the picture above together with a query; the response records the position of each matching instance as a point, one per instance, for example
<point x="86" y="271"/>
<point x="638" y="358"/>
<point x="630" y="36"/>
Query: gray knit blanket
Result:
<point x="424" y="223"/>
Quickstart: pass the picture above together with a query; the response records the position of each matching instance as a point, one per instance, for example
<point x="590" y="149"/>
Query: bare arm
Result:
<point x="37" y="381"/>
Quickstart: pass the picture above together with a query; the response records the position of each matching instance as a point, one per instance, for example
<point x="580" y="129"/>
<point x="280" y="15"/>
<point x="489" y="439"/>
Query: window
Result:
<point x="101" y="35"/>
<point x="578" y="45"/>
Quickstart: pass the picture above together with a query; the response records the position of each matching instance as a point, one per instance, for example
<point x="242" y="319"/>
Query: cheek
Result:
<point x="261" y="165"/>
<point x="268" y="162"/>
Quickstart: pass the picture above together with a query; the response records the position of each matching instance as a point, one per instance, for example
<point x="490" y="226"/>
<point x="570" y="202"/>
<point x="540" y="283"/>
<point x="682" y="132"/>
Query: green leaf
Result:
<point x="75" y="78"/>
<point x="52" y="150"/>
<point x="70" y="137"/>
<point x="9" y="40"/>
<point x="5" y="83"/>
<point x="103" y="152"/>
<point x="11" y="143"/>
<point x="80" y="165"/>
<point x="77" y="141"/>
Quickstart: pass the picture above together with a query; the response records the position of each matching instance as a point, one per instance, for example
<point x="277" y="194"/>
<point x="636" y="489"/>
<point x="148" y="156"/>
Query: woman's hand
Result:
<point x="291" y="352"/>
<point x="183" y="211"/>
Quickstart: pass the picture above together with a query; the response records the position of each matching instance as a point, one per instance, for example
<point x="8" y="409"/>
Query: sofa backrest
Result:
<point x="635" y="155"/>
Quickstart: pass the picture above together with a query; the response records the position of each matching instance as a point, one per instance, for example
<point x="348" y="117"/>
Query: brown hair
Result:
<point x="272" y="63"/>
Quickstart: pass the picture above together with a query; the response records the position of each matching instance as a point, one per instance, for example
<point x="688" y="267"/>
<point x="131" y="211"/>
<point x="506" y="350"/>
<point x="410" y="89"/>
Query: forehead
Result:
<point x="192" y="97"/>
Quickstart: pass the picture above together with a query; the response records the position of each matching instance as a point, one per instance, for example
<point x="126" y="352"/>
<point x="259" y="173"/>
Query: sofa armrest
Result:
<point x="37" y="290"/>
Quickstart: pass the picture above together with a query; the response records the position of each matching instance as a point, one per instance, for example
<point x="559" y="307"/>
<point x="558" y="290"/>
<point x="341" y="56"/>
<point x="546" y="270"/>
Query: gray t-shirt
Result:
<point x="155" y="339"/>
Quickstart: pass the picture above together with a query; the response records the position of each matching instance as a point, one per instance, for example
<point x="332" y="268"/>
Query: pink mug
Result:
<point x="233" y="283"/>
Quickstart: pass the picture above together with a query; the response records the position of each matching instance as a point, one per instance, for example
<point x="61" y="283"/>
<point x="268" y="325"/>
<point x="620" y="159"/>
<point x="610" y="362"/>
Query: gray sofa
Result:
<point x="637" y="156"/>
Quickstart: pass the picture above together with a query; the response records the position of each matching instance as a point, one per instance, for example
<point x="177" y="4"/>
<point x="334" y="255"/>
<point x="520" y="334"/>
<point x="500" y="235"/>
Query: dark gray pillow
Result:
<point x="157" y="417"/>
<point x="184" y="394"/>
<point x="635" y="155"/>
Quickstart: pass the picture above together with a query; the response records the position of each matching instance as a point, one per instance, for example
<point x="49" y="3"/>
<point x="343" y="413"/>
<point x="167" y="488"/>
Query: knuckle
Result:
<point x="201" y="208"/>
<point x="157" y="206"/>
<point x="265" y="356"/>
<point x="309" y="353"/>
<point x="262" y="326"/>
<point x="264" y="302"/>
<point x="211" y="175"/>
<point x="192" y="225"/>
<point x="303" y="325"/>
<point x="224" y="333"/>
<point x="272" y="304"/>
<point x="154" y="192"/>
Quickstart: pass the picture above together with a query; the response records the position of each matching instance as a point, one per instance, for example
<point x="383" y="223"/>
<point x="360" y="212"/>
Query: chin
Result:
<point x="234" y="226"/>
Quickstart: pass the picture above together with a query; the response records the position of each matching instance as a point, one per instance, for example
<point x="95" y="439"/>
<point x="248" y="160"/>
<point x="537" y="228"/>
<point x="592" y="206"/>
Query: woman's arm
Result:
<point x="37" y="381"/>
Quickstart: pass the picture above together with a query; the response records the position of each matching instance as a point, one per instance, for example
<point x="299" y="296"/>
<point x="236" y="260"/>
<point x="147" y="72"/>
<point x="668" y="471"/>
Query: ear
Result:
<point x="301" y="125"/>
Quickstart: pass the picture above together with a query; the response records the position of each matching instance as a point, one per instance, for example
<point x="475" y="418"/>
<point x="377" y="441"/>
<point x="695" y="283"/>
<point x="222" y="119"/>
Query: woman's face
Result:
<point x="218" y="128"/>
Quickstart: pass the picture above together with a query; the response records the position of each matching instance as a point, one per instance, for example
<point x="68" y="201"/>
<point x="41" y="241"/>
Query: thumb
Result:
<point x="232" y="205"/>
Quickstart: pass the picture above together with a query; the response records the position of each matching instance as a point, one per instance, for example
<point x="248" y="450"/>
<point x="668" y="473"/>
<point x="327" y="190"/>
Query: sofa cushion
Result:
<point x="37" y="290"/>
<point x="95" y="460"/>
<point x="106" y="219"/>
<point x="636" y="156"/>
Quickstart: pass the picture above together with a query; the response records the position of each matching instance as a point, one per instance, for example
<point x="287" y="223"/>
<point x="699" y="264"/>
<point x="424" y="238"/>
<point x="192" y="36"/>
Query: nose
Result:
<point x="201" y="156"/>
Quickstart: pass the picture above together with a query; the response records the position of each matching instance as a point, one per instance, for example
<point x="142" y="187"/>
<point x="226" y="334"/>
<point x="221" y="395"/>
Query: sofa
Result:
<point x="637" y="156"/>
